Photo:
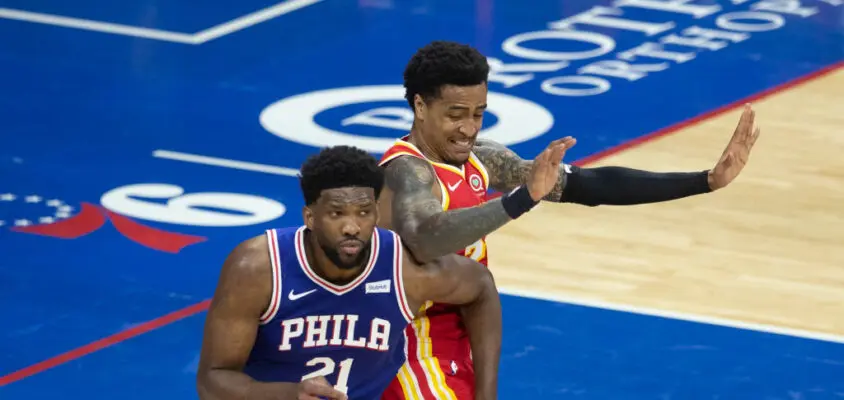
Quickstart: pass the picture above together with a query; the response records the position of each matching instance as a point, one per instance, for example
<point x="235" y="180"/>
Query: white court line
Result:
<point x="97" y="26"/>
<point x="225" y="162"/>
<point x="251" y="19"/>
<point x="217" y="31"/>
<point x="826" y="337"/>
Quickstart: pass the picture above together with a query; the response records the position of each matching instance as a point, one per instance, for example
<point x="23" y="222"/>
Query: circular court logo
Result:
<point x="292" y="118"/>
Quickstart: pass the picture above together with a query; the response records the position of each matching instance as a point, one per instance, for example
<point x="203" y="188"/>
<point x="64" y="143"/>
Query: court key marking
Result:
<point x="225" y="162"/>
<point x="206" y="35"/>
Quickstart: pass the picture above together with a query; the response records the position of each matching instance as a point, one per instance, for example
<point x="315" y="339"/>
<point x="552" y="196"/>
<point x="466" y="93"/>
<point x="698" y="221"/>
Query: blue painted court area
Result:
<point x="550" y="351"/>
<point x="105" y="226"/>
<point x="176" y="16"/>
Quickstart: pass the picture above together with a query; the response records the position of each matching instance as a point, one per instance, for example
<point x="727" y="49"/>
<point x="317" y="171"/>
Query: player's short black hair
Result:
<point x="337" y="167"/>
<point x="442" y="63"/>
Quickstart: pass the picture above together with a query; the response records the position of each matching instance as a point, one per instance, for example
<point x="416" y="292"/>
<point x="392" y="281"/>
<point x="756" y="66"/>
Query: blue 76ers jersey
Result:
<point x="352" y="334"/>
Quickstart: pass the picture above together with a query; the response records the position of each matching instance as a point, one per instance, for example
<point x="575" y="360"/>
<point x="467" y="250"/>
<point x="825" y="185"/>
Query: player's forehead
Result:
<point x="349" y="195"/>
<point x="454" y="96"/>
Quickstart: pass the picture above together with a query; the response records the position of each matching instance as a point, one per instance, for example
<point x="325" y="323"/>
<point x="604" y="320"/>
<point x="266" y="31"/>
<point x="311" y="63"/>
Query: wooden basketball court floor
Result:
<point x="767" y="252"/>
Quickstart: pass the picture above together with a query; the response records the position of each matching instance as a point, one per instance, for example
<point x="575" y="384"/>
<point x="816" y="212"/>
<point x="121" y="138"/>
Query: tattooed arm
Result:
<point x="418" y="217"/>
<point x="507" y="170"/>
<point x="593" y="186"/>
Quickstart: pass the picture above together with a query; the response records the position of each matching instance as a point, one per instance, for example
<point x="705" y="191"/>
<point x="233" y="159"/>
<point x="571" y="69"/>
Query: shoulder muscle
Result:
<point x="242" y="295"/>
<point x="409" y="174"/>
<point x="413" y="186"/>
<point x="245" y="281"/>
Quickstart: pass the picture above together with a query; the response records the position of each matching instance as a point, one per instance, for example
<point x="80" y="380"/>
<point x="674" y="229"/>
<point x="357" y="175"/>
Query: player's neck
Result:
<point x="324" y="267"/>
<point x="415" y="138"/>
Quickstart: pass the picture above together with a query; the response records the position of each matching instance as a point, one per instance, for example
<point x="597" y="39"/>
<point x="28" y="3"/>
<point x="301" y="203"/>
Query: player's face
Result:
<point x="451" y="123"/>
<point x="343" y="220"/>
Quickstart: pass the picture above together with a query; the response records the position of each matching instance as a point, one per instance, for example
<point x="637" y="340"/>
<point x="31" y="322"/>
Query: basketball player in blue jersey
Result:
<point x="320" y="310"/>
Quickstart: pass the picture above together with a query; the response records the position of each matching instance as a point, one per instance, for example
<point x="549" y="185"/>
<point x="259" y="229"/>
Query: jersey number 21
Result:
<point x="328" y="368"/>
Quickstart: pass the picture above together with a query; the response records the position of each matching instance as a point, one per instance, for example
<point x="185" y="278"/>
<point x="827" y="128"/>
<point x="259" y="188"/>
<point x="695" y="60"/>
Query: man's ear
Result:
<point x="308" y="217"/>
<point x="377" y="213"/>
<point x="420" y="109"/>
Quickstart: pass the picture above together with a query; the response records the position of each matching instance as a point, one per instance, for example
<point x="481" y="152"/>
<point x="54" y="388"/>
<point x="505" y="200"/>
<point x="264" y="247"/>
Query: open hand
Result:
<point x="545" y="169"/>
<point x="735" y="156"/>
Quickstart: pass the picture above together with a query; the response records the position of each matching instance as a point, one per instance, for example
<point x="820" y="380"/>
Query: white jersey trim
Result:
<point x="482" y="169"/>
<point x="392" y="157"/>
<point x="275" y="266"/>
<point x="398" y="278"/>
<point x="374" y="248"/>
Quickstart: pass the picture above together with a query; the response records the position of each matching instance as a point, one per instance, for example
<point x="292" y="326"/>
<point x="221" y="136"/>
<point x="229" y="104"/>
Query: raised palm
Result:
<point x="545" y="169"/>
<point x="737" y="152"/>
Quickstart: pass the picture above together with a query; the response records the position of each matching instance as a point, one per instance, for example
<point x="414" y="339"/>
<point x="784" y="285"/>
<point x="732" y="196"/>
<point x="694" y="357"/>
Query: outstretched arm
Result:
<point x="458" y="280"/>
<point x="418" y="217"/>
<point x="243" y="293"/>
<point x="619" y="185"/>
<point x="591" y="186"/>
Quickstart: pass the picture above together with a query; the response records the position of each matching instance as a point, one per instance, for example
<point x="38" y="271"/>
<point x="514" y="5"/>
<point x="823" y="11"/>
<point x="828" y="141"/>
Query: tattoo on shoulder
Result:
<point x="506" y="169"/>
<point x="411" y="179"/>
<point x="409" y="174"/>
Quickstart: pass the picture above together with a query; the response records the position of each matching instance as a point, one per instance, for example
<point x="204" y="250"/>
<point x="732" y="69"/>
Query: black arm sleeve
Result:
<point x="627" y="186"/>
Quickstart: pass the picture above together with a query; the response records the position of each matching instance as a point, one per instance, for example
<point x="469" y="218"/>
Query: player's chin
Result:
<point x="458" y="156"/>
<point x="348" y="262"/>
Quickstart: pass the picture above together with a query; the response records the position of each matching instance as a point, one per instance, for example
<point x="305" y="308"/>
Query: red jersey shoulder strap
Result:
<point x="398" y="149"/>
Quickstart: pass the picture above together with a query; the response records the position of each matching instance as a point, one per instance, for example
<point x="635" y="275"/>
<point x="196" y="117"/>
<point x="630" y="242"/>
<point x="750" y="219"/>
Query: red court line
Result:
<point x="202" y="306"/>
<point x="104" y="342"/>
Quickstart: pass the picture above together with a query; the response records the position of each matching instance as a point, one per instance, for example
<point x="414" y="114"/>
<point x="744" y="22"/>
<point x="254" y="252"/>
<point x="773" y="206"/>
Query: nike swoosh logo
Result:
<point x="454" y="186"/>
<point x="294" y="296"/>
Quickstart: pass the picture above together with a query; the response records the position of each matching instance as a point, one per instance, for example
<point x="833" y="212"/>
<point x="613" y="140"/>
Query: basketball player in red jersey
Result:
<point x="435" y="198"/>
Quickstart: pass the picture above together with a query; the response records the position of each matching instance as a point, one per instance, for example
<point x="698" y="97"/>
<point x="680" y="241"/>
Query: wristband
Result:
<point x="518" y="202"/>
